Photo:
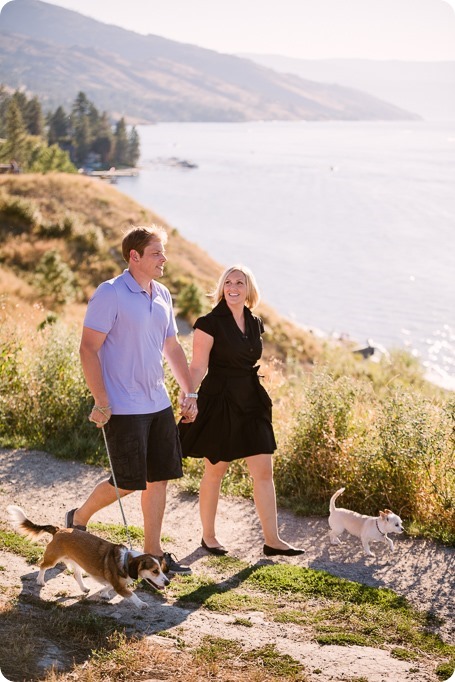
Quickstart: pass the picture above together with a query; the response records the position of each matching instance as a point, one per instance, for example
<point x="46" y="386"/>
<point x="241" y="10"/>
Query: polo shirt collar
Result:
<point x="131" y="283"/>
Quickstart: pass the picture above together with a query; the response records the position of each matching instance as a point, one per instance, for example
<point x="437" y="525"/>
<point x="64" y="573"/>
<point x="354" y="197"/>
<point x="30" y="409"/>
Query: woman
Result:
<point x="234" y="410"/>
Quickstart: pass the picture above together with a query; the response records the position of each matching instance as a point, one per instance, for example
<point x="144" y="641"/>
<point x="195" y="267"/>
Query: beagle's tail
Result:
<point x="334" y="497"/>
<point x="24" y="526"/>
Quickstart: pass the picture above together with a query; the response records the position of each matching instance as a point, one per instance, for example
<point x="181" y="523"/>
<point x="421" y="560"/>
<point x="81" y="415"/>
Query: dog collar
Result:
<point x="384" y="534"/>
<point x="126" y="567"/>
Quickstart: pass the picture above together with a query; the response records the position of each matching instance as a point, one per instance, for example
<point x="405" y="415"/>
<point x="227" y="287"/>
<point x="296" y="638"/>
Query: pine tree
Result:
<point x="4" y="101"/>
<point x="59" y="127"/>
<point x="134" y="147"/>
<point x="81" y="132"/>
<point x="16" y="133"/>
<point x="121" y="143"/>
<point x="103" y="144"/>
<point x="33" y="117"/>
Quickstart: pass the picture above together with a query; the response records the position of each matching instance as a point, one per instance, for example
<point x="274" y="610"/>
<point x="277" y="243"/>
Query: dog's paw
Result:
<point x="40" y="581"/>
<point x="143" y="605"/>
<point x="106" y="594"/>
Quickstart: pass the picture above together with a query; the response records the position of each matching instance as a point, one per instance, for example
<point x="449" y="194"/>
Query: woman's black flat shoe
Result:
<point x="291" y="551"/>
<point x="218" y="551"/>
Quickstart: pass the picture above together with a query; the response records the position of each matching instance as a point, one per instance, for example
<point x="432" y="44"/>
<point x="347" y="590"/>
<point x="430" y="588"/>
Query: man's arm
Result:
<point x="174" y="354"/>
<point x="91" y="342"/>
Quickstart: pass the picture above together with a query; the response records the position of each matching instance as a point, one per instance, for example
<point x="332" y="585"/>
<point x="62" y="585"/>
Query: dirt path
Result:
<point x="420" y="570"/>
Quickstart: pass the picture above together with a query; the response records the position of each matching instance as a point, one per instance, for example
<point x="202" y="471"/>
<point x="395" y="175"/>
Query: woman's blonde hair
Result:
<point x="253" y="295"/>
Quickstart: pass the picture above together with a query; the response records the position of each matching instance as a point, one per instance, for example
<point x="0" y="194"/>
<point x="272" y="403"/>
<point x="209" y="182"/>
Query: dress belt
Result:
<point x="234" y="371"/>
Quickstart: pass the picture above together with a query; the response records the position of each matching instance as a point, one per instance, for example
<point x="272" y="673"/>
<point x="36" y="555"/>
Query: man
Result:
<point x="129" y="326"/>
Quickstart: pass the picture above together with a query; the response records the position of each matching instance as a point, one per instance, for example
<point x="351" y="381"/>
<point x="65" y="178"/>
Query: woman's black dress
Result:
<point x="234" y="410"/>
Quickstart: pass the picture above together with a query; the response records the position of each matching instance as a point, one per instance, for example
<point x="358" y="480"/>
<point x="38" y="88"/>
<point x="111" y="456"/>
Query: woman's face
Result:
<point x="235" y="289"/>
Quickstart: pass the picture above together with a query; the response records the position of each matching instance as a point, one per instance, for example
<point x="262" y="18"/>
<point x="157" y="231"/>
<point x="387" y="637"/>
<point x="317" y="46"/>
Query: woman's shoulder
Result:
<point x="257" y="320"/>
<point x="210" y="322"/>
<point x="206" y="323"/>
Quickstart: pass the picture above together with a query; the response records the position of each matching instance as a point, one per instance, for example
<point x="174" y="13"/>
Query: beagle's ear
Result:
<point x="133" y="568"/>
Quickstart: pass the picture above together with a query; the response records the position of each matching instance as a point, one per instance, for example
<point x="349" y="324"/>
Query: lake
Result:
<point x="348" y="226"/>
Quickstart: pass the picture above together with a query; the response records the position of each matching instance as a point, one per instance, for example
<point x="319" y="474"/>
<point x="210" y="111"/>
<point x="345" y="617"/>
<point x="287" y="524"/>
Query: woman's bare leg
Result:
<point x="261" y="470"/>
<point x="209" y="492"/>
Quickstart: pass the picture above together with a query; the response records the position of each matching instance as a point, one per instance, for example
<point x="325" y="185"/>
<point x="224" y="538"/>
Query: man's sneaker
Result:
<point x="170" y="564"/>
<point x="69" y="523"/>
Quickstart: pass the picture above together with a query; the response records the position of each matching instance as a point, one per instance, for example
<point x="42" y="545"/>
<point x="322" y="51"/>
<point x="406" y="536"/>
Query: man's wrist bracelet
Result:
<point x="191" y="395"/>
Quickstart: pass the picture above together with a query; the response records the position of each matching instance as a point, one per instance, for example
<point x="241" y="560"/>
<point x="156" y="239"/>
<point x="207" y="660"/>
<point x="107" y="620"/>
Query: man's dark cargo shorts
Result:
<point x="143" y="448"/>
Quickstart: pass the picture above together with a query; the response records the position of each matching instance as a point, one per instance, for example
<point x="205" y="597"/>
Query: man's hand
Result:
<point x="100" y="415"/>
<point x="188" y="407"/>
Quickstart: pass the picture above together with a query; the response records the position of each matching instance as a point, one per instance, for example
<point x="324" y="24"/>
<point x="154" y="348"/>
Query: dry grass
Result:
<point x="90" y="204"/>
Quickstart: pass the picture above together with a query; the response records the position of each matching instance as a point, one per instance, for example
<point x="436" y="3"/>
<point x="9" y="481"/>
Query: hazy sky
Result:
<point x="375" y="29"/>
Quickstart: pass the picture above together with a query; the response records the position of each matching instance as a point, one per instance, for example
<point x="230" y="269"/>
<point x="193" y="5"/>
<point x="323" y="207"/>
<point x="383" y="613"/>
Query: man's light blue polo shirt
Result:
<point x="131" y="356"/>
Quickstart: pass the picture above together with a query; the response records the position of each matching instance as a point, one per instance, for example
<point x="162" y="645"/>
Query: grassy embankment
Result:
<point x="379" y="429"/>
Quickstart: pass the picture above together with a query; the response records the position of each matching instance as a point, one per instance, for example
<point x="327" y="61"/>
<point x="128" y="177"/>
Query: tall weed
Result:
<point x="394" y="450"/>
<point x="44" y="400"/>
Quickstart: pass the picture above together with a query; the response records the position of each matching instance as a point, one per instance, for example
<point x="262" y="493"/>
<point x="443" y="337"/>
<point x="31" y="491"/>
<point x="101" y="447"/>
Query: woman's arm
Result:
<point x="202" y="345"/>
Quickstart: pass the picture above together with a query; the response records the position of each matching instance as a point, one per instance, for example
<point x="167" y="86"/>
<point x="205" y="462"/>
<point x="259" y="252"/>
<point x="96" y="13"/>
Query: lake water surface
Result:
<point x="348" y="226"/>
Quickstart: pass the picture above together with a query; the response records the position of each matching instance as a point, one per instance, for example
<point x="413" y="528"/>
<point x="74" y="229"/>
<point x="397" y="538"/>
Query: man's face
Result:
<point x="151" y="263"/>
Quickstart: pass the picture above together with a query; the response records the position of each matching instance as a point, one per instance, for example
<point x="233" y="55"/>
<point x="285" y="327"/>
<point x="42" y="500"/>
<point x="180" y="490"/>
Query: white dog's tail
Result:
<point x="334" y="497"/>
<point x="26" y="527"/>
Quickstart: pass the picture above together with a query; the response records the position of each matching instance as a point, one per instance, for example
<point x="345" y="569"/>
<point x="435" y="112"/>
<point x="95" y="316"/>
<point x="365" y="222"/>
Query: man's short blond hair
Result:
<point x="139" y="237"/>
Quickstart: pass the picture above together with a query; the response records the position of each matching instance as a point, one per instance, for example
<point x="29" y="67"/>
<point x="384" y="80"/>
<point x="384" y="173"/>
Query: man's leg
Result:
<point x="153" y="502"/>
<point x="101" y="496"/>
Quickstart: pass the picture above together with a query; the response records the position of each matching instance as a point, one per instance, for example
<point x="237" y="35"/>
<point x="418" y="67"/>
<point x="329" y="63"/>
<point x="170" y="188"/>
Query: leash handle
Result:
<point x="116" y="489"/>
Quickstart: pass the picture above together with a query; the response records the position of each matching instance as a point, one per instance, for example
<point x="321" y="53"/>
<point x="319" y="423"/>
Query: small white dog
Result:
<point x="114" y="566"/>
<point x="367" y="528"/>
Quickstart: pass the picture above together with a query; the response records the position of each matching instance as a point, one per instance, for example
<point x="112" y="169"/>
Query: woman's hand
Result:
<point x="188" y="406"/>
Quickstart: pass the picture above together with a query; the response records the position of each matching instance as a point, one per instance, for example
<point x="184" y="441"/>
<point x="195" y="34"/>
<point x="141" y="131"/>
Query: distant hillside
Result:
<point x="55" y="53"/>
<point x="427" y="88"/>
<point x="83" y="220"/>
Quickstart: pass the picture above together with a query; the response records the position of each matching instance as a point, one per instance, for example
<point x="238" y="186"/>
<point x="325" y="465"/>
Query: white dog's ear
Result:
<point x="387" y="511"/>
<point x="383" y="513"/>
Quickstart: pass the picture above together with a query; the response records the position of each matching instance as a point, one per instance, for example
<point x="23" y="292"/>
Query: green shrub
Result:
<point x="40" y="158"/>
<point x="63" y="229"/>
<point x="44" y="400"/>
<point x="394" y="450"/>
<point x="87" y="240"/>
<point x="322" y="452"/>
<point x="55" y="281"/>
<point x="19" y="215"/>
<point x="190" y="300"/>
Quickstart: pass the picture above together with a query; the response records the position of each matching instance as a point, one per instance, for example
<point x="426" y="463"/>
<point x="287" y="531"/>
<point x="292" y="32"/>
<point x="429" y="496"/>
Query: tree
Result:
<point x="42" y="158"/>
<point x="82" y="140"/>
<point x="94" y="119"/>
<point x="81" y="133"/>
<point x="134" y="147"/>
<point x="81" y="106"/>
<point x="33" y="117"/>
<point x="59" y="127"/>
<point x="4" y="101"/>
<point x="121" y="143"/>
<point x="16" y="133"/>
<point x="103" y="144"/>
